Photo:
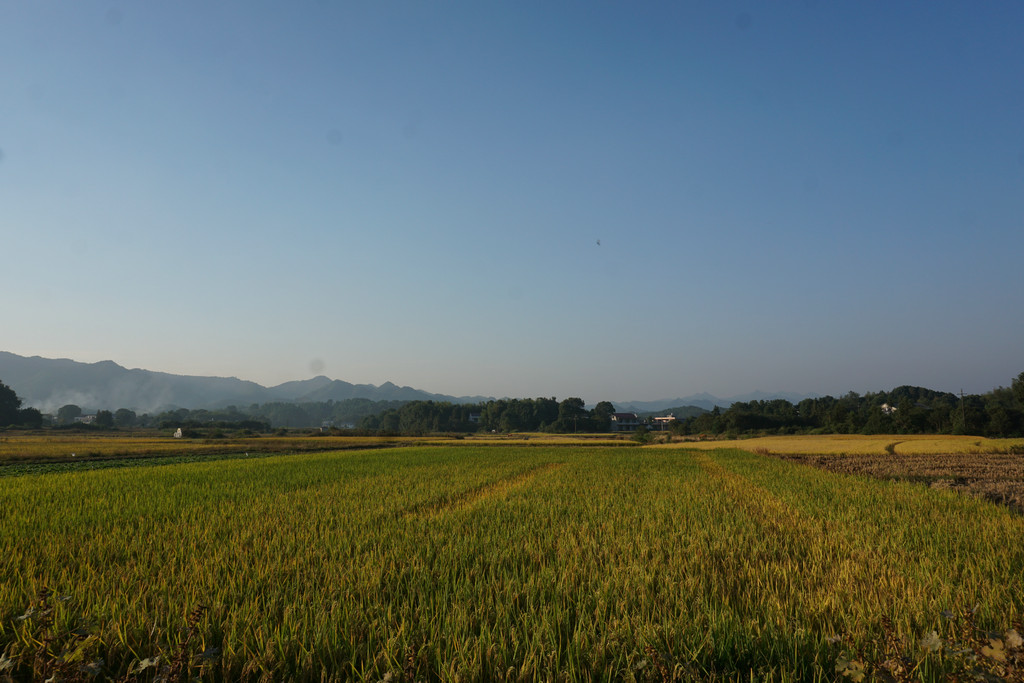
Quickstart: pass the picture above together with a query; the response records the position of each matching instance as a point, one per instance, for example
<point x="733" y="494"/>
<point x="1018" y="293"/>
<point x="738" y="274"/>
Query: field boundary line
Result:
<point x="476" y="495"/>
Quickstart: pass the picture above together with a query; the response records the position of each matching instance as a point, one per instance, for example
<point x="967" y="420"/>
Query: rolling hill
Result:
<point x="48" y="384"/>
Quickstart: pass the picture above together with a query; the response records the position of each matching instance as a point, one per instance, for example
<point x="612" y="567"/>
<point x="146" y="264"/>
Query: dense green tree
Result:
<point x="517" y="416"/>
<point x="571" y="407"/>
<point x="911" y="410"/>
<point x="67" y="413"/>
<point x="104" y="418"/>
<point x="707" y="423"/>
<point x="939" y="420"/>
<point x="969" y="417"/>
<point x="124" y="418"/>
<point x="1018" y="388"/>
<point x="420" y="417"/>
<point x="545" y="411"/>
<point x="917" y="411"/>
<point x="505" y="415"/>
<point x="30" y="417"/>
<point x="1005" y="416"/>
<point x="9" y="405"/>
<point x="389" y="422"/>
<point x="601" y="416"/>
<point x="571" y="412"/>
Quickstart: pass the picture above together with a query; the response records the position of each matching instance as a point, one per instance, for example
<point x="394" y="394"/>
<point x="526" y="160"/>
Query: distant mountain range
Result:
<point x="48" y="384"/>
<point x="708" y="401"/>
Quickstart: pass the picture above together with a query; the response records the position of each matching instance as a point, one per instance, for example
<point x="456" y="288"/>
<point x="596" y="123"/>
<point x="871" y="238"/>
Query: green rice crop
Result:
<point x="477" y="563"/>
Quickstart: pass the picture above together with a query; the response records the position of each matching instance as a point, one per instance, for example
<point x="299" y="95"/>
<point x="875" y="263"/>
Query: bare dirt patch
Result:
<point x="997" y="477"/>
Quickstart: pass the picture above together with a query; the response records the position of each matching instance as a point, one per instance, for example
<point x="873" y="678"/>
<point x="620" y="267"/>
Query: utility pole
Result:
<point x="963" y="414"/>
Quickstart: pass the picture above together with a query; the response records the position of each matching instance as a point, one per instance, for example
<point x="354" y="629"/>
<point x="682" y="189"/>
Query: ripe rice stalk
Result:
<point x="541" y="562"/>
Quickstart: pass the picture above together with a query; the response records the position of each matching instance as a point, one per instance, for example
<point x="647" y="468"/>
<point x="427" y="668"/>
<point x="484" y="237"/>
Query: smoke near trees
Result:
<point x="903" y="410"/>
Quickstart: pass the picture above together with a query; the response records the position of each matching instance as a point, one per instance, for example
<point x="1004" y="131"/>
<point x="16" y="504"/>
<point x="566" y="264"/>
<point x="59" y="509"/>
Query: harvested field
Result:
<point x="992" y="469"/>
<point x="998" y="477"/>
<point x="873" y="444"/>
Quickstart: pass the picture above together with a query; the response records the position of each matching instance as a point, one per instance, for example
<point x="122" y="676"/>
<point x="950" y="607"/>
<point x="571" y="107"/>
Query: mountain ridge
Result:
<point x="49" y="383"/>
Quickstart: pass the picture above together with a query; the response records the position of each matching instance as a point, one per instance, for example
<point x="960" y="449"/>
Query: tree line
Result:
<point x="11" y="412"/>
<point x="408" y="417"/>
<point x="344" y="414"/>
<point x="504" y="415"/>
<point x="256" y="417"/>
<point x="904" y="410"/>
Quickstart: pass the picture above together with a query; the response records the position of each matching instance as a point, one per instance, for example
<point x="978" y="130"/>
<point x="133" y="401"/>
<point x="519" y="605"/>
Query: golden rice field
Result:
<point x="72" y="448"/>
<point x="507" y="563"/>
<point x="51" y="447"/>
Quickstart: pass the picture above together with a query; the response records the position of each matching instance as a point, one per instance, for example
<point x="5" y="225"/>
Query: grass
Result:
<point x="481" y="562"/>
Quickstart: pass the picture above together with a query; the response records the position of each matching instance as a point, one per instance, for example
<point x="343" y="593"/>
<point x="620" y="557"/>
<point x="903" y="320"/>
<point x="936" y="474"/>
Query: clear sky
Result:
<point x="611" y="200"/>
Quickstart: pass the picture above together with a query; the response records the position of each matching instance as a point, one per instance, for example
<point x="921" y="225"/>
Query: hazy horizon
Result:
<point x="519" y="199"/>
<point x="621" y="401"/>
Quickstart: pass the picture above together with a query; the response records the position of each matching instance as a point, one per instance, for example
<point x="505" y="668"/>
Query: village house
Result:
<point x="625" y="422"/>
<point x="663" y="423"/>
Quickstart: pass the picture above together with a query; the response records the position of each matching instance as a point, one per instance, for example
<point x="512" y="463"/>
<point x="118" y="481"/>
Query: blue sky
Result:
<point x="809" y="197"/>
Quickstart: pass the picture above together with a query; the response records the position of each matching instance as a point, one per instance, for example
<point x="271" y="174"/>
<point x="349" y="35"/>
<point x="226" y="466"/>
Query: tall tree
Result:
<point x="571" y="407"/>
<point x="30" y="417"/>
<point x="67" y="414"/>
<point x="1018" y="388"/>
<point x="9" y="405"/>
<point x="125" y="418"/>
<point x="602" y="416"/>
<point x="572" y="415"/>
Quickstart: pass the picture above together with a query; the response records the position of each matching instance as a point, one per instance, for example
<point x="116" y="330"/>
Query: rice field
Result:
<point x="47" y="447"/>
<point x="509" y="563"/>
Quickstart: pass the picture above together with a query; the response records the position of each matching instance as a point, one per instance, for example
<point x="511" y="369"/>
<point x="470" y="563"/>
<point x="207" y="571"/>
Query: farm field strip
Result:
<point x="857" y="444"/>
<point x="916" y="563"/>
<point x="924" y="445"/>
<point x="815" y="570"/>
<point x="470" y="497"/>
<point x="949" y="537"/>
<point x="517" y="563"/>
<point x="22" y="454"/>
<point x="930" y="466"/>
<point x="21" y="448"/>
<point x="998" y="477"/>
<point x="54" y="466"/>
